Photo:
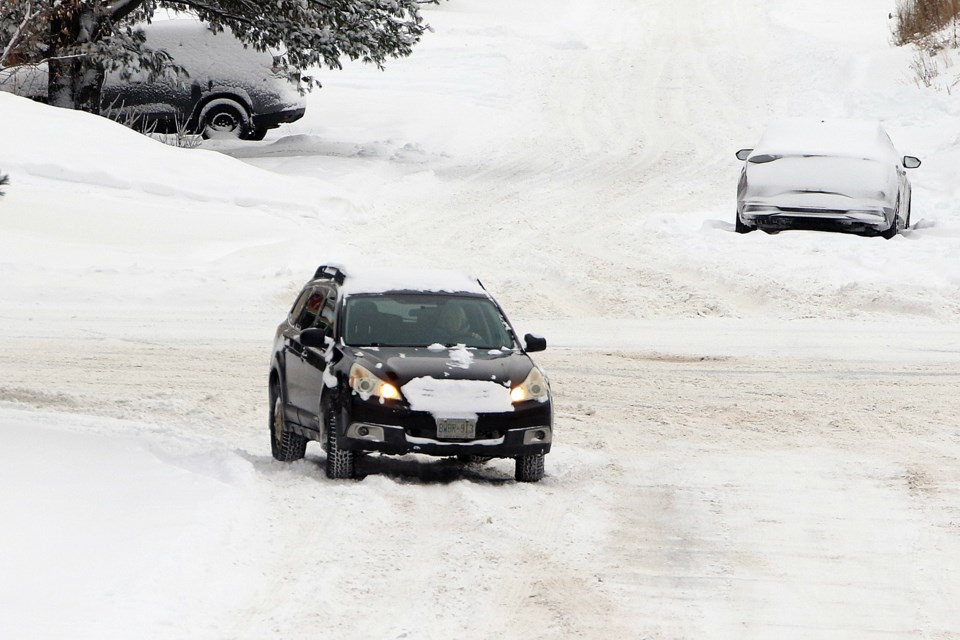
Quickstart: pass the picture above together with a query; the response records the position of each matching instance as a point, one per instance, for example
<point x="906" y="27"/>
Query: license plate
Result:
<point x="456" y="428"/>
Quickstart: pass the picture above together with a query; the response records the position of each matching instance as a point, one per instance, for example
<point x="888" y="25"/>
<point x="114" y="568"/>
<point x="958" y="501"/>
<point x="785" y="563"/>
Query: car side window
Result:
<point x="311" y="309"/>
<point x="297" y="307"/>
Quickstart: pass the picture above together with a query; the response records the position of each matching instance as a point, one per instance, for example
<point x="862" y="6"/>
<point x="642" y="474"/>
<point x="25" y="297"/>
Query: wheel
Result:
<point x="894" y="228"/>
<point x="895" y="225"/>
<point x="224" y="118"/>
<point x="285" y="445"/>
<point x="740" y="227"/>
<point x="909" y="211"/>
<point x="340" y="463"/>
<point x="529" y="468"/>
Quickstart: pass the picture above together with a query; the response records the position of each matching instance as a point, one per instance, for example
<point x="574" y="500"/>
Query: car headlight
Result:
<point x="534" y="387"/>
<point x="366" y="384"/>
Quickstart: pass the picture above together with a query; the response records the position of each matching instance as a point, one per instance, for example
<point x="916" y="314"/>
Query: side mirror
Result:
<point x="743" y="154"/>
<point x="314" y="337"/>
<point x="910" y="162"/>
<point x="534" y="343"/>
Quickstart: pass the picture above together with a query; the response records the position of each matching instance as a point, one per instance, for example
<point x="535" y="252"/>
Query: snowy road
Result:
<point x="757" y="436"/>
<point x="721" y="496"/>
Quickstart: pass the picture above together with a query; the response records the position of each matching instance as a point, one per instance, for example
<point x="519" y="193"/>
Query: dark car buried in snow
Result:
<point x="231" y="91"/>
<point x="830" y="175"/>
<point x="406" y="362"/>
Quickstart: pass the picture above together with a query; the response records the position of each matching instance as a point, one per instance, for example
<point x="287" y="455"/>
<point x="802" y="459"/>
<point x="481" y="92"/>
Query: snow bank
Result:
<point x="75" y="147"/>
<point x="113" y="532"/>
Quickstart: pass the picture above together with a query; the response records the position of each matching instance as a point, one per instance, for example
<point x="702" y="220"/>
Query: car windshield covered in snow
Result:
<point x="421" y="320"/>
<point x="864" y="179"/>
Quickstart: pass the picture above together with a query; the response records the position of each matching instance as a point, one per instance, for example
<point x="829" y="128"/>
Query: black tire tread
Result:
<point x="340" y="463"/>
<point x="529" y="468"/>
<point x="289" y="446"/>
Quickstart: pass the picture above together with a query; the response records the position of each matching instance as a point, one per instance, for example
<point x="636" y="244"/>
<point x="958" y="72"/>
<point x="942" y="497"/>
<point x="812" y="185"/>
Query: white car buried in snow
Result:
<point x="831" y="175"/>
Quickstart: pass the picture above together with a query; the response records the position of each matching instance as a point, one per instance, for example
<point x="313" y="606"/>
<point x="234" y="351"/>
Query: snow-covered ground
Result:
<point x="757" y="435"/>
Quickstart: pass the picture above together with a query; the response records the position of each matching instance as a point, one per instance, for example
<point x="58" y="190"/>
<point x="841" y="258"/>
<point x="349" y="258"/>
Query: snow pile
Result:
<point x="45" y="142"/>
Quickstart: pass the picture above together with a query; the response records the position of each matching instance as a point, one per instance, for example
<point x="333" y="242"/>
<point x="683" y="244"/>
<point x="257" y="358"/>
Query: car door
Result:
<point x="305" y="365"/>
<point x="302" y="316"/>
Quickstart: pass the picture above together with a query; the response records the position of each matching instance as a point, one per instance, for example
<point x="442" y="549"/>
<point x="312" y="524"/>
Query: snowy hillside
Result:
<point x="757" y="436"/>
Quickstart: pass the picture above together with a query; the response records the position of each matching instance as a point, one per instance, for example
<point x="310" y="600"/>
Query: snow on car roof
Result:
<point x="206" y="55"/>
<point x="360" y="279"/>
<point x="834" y="137"/>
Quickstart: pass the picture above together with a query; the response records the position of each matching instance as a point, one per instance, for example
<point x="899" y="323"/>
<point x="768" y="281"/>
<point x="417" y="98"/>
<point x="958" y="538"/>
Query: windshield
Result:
<point x="421" y="320"/>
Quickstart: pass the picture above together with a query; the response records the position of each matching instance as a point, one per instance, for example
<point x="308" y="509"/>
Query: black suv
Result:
<point x="422" y="362"/>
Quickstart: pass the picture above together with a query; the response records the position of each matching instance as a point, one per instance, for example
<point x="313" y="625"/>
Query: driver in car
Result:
<point x="453" y="327"/>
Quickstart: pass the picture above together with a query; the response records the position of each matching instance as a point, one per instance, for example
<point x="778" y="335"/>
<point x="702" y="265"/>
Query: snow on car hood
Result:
<point x="820" y="181"/>
<point x="457" y="398"/>
<point x="453" y="382"/>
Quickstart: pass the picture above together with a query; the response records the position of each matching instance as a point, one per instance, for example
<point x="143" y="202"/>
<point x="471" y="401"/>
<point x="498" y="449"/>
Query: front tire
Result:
<point x="224" y="119"/>
<point x="741" y="227"/>
<point x="340" y="463"/>
<point x="529" y="468"/>
<point x="285" y="445"/>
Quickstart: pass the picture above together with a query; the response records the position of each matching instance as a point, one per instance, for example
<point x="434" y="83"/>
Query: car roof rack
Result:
<point x="330" y="272"/>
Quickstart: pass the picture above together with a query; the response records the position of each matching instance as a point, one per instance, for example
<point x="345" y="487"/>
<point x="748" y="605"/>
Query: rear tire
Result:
<point x="740" y="227"/>
<point x="285" y="445"/>
<point x="529" y="468"/>
<point x="340" y="463"/>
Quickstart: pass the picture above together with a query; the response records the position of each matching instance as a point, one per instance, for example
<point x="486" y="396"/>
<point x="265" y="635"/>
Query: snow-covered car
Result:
<point x="406" y="362"/>
<point x="833" y="175"/>
<point x="231" y="90"/>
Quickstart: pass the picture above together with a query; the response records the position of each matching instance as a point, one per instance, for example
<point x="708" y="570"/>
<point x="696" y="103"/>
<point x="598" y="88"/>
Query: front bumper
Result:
<point x="275" y="119"/>
<point x="369" y="426"/>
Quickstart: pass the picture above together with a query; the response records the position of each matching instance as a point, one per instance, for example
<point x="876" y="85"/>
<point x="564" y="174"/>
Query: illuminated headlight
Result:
<point x="533" y="388"/>
<point x="366" y="384"/>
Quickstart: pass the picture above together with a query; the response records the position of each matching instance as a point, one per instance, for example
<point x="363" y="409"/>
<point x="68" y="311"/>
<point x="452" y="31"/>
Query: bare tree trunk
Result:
<point x="74" y="80"/>
<point x="60" y="68"/>
<point x="90" y="74"/>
